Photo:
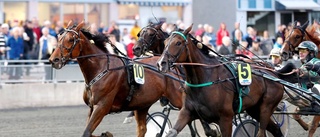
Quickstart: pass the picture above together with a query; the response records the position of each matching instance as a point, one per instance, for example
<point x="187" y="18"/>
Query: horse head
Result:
<point x="176" y="49"/>
<point x="292" y="39"/>
<point x="69" y="45"/>
<point x="150" y="38"/>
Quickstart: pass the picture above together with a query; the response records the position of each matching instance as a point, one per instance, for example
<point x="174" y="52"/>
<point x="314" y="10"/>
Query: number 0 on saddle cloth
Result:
<point x="244" y="74"/>
<point x="138" y="72"/>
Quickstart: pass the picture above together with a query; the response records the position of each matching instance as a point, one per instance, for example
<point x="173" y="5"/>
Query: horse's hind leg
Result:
<point x="99" y="111"/>
<point x="314" y="125"/>
<point x="140" y="116"/>
<point x="265" y="121"/>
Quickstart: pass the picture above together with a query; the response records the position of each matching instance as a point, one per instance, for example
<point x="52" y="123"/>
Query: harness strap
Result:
<point x="97" y="78"/>
<point x="181" y="34"/>
<point x="132" y="84"/>
<point x="231" y="68"/>
<point x="198" y="85"/>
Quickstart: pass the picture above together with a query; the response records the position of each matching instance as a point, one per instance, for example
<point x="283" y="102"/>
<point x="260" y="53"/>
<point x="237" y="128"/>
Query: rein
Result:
<point x="200" y="64"/>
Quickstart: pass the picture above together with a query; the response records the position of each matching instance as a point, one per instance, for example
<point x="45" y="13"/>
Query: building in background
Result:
<point x="124" y="12"/>
<point x="261" y="14"/>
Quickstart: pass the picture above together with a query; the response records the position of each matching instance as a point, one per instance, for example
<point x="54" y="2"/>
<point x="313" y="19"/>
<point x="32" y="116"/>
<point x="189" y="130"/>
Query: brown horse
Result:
<point x="151" y="38"/>
<point x="293" y="39"/>
<point x="298" y="34"/>
<point x="210" y="91"/>
<point x="106" y="76"/>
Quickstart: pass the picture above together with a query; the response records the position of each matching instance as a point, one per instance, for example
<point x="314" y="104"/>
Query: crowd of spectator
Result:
<point x="29" y="40"/>
<point x="250" y="43"/>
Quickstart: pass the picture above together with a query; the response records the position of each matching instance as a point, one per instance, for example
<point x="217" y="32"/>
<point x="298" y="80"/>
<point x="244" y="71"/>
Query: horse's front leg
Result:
<point x="314" y="125"/>
<point x="140" y="116"/>
<point x="208" y="130"/>
<point x="101" y="109"/>
<point x="274" y="129"/>
<point x="89" y="115"/>
<point x="183" y="119"/>
<point x="225" y="124"/>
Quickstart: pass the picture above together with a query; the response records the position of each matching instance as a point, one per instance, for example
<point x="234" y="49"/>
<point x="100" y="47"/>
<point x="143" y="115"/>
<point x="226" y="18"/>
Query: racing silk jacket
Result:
<point x="310" y="75"/>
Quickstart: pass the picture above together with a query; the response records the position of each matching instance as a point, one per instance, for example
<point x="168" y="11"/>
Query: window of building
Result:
<point x="286" y="18"/>
<point x="315" y="15"/>
<point x="73" y="11"/>
<point x="128" y="11"/>
<point x="91" y="13"/>
<point x="98" y="13"/>
<point x="48" y="11"/>
<point x="267" y="4"/>
<point x="252" y="4"/>
<point x="15" y="12"/>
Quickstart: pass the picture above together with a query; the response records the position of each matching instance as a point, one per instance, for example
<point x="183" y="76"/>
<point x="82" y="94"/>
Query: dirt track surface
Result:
<point x="70" y="122"/>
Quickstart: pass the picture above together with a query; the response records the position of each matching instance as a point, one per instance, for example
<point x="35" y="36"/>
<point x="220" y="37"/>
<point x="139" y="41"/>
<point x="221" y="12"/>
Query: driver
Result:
<point x="310" y="68"/>
<point x="309" y="72"/>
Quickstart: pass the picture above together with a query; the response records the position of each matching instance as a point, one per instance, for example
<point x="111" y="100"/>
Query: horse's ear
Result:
<point x="88" y="28"/>
<point x="70" y="23"/>
<point x="159" y="25"/>
<point x="175" y="27"/>
<point x="295" y="23"/>
<point x="80" y="25"/>
<point x="305" y="25"/>
<point x="186" y="32"/>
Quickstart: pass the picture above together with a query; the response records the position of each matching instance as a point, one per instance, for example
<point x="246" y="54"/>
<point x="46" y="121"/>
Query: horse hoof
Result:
<point x="106" y="134"/>
<point x="172" y="133"/>
<point x="213" y="133"/>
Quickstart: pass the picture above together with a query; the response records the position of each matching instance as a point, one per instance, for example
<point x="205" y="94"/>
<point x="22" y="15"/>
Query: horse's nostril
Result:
<point x="56" y="60"/>
<point x="136" y="49"/>
<point x="163" y="63"/>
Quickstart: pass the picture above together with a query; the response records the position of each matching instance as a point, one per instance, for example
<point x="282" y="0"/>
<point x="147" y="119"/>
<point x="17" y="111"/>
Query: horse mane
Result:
<point x="100" y="39"/>
<point x="313" y="33"/>
<point x="204" y="48"/>
<point x="154" y="25"/>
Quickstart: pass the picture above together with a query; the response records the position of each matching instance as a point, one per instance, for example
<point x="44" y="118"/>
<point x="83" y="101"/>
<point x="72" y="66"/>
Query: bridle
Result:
<point x="168" y="54"/>
<point x="147" y="44"/>
<point x="291" y="48"/>
<point x="76" y="38"/>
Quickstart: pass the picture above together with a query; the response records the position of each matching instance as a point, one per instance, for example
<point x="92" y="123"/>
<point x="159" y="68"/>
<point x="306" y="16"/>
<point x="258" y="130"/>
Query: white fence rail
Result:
<point x="35" y="71"/>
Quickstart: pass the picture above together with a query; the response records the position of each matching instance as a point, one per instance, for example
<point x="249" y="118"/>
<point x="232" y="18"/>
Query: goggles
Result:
<point x="303" y="50"/>
<point x="274" y="57"/>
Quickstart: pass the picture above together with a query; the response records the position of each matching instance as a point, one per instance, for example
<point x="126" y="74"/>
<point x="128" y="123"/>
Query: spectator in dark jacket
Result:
<point x="226" y="46"/>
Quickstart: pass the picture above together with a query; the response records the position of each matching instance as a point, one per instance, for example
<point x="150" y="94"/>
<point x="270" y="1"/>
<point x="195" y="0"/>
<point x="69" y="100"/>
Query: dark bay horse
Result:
<point x="210" y="91"/>
<point x="151" y="38"/>
<point x="106" y="77"/>
<point x="292" y="40"/>
<point x="297" y="35"/>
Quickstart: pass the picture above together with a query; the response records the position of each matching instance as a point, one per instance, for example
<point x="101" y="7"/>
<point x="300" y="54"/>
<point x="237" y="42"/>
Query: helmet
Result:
<point x="275" y="52"/>
<point x="308" y="45"/>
